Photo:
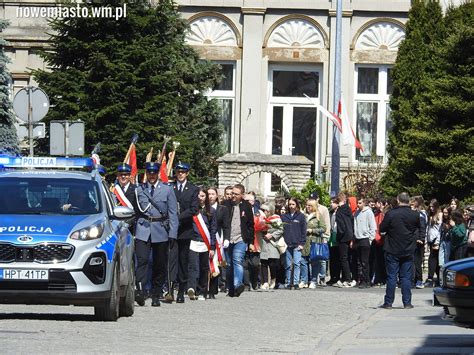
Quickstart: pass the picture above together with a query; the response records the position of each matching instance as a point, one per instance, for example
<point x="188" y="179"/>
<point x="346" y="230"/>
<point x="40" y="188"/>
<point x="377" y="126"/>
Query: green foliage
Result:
<point x="134" y="75"/>
<point x="310" y="187"/>
<point x="432" y="143"/>
<point x="8" y="136"/>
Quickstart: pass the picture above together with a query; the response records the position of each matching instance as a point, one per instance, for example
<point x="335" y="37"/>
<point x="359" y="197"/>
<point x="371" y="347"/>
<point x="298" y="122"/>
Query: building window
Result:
<point x="373" y="89"/>
<point x="224" y="94"/>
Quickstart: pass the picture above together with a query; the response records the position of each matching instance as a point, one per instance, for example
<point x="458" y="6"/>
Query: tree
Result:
<point x="8" y="136"/>
<point x="418" y="152"/>
<point x="134" y="75"/>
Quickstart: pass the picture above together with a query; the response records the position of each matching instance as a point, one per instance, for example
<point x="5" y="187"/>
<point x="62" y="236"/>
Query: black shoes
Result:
<point x="210" y="296"/>
<point x="408" y="306"/>
<point x="239" y="290"/>
<point x="155" y="301"/>
<point x="139" y="298"/>
<point x="180" y="298"/>
<point x="386" y="306"/>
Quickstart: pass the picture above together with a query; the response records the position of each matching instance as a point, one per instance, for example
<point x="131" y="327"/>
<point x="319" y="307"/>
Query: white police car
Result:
<point x="62" y="239"/>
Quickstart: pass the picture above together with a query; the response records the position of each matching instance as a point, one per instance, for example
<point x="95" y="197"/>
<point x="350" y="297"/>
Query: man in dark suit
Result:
<point x="241" y="236"/>
<point x="124" y="192"/>
<point x="157" y="229"/>
<point x="188" y="206"/>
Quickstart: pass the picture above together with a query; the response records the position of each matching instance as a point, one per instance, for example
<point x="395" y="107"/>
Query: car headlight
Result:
<point x="89" y="233"/>
<point x="457" y="279"/>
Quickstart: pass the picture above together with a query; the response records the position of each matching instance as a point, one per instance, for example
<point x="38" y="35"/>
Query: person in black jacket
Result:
<point x="401" y="226"/>
<point x="344" y="237"/>
<point x="223" y="231"/>
<point x="202" y="248"/>
<point x="124" y="192"/>
<point x="294" y="232"/>
<point x="241" y="237"/>
<point x="188" y="206"/>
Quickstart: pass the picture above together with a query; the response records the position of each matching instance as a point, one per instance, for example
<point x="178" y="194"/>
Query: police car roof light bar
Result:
<point x="45" y="162"/>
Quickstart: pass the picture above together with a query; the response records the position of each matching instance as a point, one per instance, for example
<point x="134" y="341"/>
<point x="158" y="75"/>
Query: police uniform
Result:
<point x="187" y="196"/>
<point x="157" y="228"/>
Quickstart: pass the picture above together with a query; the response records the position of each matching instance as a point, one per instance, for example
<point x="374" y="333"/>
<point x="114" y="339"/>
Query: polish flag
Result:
<point x="348" y="135"/>
<point x="329" y="115"/>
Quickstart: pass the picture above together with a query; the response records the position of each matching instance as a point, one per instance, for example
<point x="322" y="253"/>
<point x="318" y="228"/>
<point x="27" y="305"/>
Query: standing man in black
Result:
<point x="124" y="192"/>
<point x="344" y="237"/>
<point x="401" y="228"/>
<point x="241" y="238"/>
<point x="188" y="206"/>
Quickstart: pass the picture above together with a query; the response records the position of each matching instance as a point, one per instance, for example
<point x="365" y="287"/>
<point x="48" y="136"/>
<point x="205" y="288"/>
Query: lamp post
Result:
<point x="335" y="157"/>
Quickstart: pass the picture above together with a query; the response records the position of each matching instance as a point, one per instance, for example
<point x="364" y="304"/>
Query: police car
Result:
<point x="62" y="239"/>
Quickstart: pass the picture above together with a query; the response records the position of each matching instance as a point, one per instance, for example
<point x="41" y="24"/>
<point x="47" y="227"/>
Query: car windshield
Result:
<point x="49" y="196"/>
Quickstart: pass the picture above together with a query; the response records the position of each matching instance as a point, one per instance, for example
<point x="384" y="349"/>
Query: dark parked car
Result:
<point x="456" y="293"/>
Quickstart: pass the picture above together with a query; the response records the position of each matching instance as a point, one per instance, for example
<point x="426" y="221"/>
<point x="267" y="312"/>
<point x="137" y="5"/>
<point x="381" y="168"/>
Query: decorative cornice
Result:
<point x="253" y="10"/>
<point x="345" y="13"/>
<point x="295" y="17"/>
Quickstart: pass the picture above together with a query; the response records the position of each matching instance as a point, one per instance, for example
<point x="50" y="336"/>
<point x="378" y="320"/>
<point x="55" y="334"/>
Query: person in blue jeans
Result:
<point x="294" y="232"/>
<point x="241" y="238"/>
<point x="400" y="229"/>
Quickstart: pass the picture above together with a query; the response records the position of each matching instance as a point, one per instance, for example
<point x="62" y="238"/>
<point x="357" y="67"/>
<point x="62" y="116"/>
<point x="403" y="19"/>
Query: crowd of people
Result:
<point x="192" y="241"/>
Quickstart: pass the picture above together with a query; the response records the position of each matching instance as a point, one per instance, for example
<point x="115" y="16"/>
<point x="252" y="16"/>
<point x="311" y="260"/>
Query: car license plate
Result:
<point x="22" y="274"/>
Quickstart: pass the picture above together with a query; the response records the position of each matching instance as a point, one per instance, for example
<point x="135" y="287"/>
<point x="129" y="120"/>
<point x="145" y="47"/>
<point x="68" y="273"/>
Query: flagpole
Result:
<point x="335" y="157"/>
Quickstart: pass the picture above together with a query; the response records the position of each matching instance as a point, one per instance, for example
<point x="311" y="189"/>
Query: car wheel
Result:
<point x="127" y="303"/>
<point x="109" y="310"/>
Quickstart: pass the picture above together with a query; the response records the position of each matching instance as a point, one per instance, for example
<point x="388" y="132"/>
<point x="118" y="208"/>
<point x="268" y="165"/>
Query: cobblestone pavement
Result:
<point x="322" y="321"/>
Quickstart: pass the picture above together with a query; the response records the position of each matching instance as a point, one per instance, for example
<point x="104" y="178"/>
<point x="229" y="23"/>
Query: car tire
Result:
<point x="127" y="302"/>
<point x="109" y="310"/>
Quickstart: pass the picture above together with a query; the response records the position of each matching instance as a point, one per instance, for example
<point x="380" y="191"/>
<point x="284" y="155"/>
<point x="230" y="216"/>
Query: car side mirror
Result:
<point x="122" y="212"/>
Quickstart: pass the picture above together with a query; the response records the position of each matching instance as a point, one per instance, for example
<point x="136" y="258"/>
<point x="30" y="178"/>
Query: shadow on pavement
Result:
<point x="49" y="316"/>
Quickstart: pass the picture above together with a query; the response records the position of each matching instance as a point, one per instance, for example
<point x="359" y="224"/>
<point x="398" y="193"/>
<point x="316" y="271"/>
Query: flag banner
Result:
<point x="163" y="171"/>
<point x="329" y="115"/>
<point x="348" y="135"/>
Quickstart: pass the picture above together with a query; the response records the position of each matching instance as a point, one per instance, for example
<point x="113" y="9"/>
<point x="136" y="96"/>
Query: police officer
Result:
<point x="156" y="229"/>
<point x="124" y="191"/>
<point x="188" y="202"/>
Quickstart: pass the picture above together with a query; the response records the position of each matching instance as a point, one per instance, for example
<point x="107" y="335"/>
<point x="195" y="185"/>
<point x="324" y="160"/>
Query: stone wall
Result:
<point x="294" y="171"/>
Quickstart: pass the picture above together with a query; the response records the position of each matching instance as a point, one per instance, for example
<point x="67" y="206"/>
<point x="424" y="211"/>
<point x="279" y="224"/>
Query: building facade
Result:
<point x="278" y="60"/>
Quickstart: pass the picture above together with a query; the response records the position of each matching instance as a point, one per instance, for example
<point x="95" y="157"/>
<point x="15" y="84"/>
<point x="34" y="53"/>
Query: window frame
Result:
<point x="382" y="98"/>
<point x="227" y="95"/>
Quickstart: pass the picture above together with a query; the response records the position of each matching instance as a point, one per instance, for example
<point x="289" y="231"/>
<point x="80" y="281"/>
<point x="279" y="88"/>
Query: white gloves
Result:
<point x="226" y="244"/>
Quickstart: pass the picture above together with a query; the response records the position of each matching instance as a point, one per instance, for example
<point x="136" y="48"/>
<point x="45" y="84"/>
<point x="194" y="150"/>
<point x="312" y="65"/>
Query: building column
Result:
<point x="251" y="138"/>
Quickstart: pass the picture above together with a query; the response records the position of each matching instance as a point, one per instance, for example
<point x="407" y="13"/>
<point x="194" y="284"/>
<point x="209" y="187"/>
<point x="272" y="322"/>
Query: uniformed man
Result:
<point x="188" y="202"/>
<point x="124" y="192"/>
<point x="156" y="230"/>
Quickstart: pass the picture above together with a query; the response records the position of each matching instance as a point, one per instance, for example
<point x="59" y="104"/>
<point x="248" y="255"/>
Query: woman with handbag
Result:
<point x="294" y="232"/>
<point x="270" y="255"/>
<point x="317" y="233"/>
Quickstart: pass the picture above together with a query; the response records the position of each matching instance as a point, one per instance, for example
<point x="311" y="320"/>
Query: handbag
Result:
<point x="281" y="245"/>
<point x="319" y="251"/>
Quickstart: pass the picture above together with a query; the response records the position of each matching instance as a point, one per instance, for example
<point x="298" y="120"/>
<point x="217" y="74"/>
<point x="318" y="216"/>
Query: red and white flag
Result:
<point x="329" y="115"/>
<point x="348" y="134"/>
<point x="206" y="237"/>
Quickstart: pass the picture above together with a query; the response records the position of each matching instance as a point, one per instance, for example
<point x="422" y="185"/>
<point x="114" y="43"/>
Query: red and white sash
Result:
<point x="206" y="237"/>
<point x="220" y="250"/>
<point x="120" y="195"/>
